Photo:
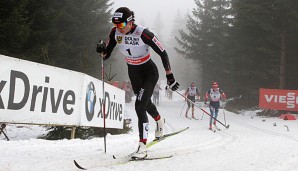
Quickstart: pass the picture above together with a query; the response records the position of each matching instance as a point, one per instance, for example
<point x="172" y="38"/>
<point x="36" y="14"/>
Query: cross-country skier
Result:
<point x="215" y="94"/>
<point x="134" y="43"/>
<point x="191" y="93"/>
<point x="156" y="94"/>
<point x="127" y="88"/>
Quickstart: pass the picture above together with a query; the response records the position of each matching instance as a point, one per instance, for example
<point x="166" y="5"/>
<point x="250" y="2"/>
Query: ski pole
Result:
<point x="226" y="126"/>
<point x="224" y="114"/>
<point x="104" y="102"/>
<point x="182" y="108"/>
<point x="1" y="131"/>
<point x="204" y="109"/>
<point x="202" y="115"/>
<point x="159" y="98"/>
<point x="5" y="135"/>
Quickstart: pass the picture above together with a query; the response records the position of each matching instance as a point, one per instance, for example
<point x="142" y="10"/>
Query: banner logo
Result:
<point x="90" y="101"/>
<point x="132" y="40"/>
<point x="278" y="99"/>
<point x="119" y="39"/>
<point x="158" y="44"/>
<point x="35" y="98"/>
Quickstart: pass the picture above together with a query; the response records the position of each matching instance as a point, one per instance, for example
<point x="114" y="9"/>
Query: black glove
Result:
<point x="173" y="84"/>
<point x="101" y="47"/>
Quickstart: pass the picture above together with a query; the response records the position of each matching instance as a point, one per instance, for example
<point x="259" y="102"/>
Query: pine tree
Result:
<point x="14" y="26"/>
<point x="56" y="32"/>
<point x="261" y="38"/>
<point x="184" y="67"/>
<point x="206" y="39"/>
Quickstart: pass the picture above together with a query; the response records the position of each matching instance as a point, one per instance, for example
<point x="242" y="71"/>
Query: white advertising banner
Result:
<point x="92" y="106"/>
<point x="33" y="93"/>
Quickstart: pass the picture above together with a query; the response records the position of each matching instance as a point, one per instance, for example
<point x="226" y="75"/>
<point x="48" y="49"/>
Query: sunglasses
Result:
<point x="120" y="25"/>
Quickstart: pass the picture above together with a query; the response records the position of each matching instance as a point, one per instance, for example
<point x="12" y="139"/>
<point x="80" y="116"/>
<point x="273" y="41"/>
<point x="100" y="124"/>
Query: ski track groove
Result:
<point x="267" y="131"/>
<point x="221" y="138"/>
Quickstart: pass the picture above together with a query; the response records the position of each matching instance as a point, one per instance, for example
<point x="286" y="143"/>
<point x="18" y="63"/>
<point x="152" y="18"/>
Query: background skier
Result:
<point x="156" y="94"/>
<point x="215" y="94"/>
<point x="191" y="93"/>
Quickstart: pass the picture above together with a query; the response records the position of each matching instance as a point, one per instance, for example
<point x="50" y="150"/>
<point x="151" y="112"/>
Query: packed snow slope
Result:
<point x="250" y="144"/>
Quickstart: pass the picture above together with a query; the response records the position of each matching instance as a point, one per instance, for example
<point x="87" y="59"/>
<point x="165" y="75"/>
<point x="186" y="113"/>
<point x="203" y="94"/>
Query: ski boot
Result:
<point x="193" y="116"/>
<point x="141" y="152"/>
<point x="159" y="128"/>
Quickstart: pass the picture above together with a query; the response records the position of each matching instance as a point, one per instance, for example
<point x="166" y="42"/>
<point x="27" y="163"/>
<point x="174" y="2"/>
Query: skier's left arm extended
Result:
<point x="150" y="39"/>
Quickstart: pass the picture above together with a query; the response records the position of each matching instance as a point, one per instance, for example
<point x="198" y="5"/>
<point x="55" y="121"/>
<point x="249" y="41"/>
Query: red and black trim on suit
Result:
<point x="143" y="77"/>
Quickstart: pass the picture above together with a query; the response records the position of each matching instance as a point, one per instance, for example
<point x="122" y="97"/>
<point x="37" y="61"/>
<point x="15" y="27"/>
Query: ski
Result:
<point x="188" y="118"/>
<point x="78" y="166"/>
<point x="126" y="159"/>
<point x="192" y="118"/>
<point x="216" y="128"/>
<point x="155" y="141"/>
<point x="123" y="160"/>
<point x="213" y="130"/>
<point x="195" y="118"/>
<point x="153" y="158"/>
<point x="146" y="158"/>
<point x="119" y="161"/>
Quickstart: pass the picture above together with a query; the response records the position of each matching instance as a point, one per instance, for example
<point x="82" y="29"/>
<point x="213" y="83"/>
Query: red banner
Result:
<point x="278" y="99"/>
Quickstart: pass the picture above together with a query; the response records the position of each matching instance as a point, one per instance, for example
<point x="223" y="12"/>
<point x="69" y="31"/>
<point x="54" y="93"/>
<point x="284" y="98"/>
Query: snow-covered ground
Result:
<point x="250" y="144"/>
